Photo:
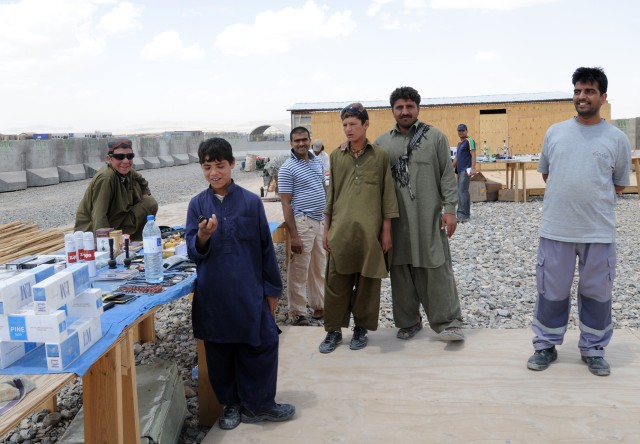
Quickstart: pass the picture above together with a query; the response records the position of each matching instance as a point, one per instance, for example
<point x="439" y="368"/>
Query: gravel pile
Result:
<point x="493" y="258"/>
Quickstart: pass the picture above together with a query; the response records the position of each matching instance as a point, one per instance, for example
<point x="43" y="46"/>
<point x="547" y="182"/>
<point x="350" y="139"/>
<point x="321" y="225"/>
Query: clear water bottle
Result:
<point x="152" y="245"/>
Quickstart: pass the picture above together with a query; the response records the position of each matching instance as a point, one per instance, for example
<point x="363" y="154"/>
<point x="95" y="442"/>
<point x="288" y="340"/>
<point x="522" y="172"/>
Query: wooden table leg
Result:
<point x="209" y="407"/>
<point x="147" y="328"/>
<point x="516" y="171"/>
<point x="524" y="182"/>
<point x="130" y="412"/>
<point x="102" y="399"/>
<point x="636" y="165"/>
<point x="506" y="174"/>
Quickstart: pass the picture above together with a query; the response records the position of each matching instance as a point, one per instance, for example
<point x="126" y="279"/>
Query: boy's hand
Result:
<point x="273" y="304"/>
<point x="207" y="226"/>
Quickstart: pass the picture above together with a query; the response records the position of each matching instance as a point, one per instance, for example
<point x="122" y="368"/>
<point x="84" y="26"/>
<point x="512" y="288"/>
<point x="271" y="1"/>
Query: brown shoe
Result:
<point x="318" y="314"/>
<point x="300" y="321"/>
<point x="409" y="332"/>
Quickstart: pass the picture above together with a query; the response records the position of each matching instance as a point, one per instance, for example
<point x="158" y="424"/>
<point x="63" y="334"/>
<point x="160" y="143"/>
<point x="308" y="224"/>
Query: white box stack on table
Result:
<point x="83" y="333"/>
<point x="42" y="306"/>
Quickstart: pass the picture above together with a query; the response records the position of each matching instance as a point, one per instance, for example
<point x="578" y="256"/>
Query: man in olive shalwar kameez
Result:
<point x="421" y="270"/>
<point x="361" y="202"/>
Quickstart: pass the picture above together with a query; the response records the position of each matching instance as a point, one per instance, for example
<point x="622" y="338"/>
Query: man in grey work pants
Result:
<point x="584" y="162"/>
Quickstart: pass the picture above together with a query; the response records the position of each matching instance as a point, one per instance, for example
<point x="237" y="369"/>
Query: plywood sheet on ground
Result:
<point x="427" y="391"/>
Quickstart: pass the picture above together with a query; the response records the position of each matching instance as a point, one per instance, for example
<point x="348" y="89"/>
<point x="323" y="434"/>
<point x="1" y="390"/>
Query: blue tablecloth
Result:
<point x="114" y="321"/>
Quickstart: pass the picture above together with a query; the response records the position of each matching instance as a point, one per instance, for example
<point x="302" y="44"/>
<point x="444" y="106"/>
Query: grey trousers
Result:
<point x="464" y="199"/>
<point x="554" y="273"/>
<point x="434" y="288"/>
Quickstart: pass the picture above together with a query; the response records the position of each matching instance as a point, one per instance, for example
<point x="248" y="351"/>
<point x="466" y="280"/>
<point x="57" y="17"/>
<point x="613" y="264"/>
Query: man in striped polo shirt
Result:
<point x="302" y="192"/>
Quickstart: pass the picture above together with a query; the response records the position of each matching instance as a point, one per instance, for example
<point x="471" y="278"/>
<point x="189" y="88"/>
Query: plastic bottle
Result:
<point x="89" y="247"/>
<point x="152" y="245"/>
<point x="79" y="238"/>
<point x="505" y="151"/>
<point x="70" y="248"/>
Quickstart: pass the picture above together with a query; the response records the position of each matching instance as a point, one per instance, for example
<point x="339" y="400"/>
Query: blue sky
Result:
<point x="128" y="66"/>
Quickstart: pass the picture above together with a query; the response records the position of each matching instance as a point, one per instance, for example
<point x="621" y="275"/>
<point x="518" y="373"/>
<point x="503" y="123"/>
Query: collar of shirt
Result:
<point x="396" y="128"/>
<point x="345" y="146"/>
<point x="311" y="155"/>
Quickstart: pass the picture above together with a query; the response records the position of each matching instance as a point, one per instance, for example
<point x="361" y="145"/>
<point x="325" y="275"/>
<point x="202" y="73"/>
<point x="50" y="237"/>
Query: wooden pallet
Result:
<point x="19" y="239"/>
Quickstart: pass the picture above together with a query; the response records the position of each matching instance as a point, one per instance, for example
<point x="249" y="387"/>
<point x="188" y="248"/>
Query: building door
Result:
<point x="494" y="130"/>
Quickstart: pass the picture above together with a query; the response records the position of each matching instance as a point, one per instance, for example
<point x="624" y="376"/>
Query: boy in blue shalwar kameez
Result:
<point x="236" y="293"/>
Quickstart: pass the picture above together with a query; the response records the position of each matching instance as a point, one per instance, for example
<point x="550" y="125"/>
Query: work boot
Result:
<point x="597" y="365"/>
<point x="230" y="417"/>
<point x="277" y="413"/>
<point x="541" y="359"/>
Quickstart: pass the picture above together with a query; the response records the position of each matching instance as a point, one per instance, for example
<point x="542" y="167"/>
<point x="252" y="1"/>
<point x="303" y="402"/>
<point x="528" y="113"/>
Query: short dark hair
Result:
<point x="406" y="93"/>
<point x="114" y="144"/>
<point x="591" y="75"/>
<point x="356" y="110"/>
<point x="215" y="149"/>
<point x="298" y="130"/>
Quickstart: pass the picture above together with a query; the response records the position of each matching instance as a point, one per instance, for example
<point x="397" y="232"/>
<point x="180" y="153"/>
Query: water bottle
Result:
<point x="505" y="151"/>
<point x="152" y="245"/>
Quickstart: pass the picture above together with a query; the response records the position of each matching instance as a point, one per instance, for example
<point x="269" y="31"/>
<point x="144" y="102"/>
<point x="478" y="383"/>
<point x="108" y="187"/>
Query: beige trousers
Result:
<point x="305" y="274"/>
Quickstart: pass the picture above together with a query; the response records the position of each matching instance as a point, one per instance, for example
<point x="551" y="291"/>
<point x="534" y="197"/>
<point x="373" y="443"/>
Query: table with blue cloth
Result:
<point x="107" y="369"/>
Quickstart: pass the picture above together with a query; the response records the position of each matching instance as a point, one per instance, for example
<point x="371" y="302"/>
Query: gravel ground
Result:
<point x="493" y="258"/>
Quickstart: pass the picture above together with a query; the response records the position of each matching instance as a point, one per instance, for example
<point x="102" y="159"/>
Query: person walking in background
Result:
<point x="361" y="202"/>
<point x="303" y="196"/>
<point x="236" y="293"/>
<point x="465" y="166"/>
<point x="421" y="269"/>
<point x="318" y="150"/>
<point x="118" y="196"/>
<point x="584" y="162"/>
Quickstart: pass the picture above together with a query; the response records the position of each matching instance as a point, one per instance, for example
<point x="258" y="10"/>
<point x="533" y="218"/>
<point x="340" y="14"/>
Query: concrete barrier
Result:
<point x="29" y="163"/>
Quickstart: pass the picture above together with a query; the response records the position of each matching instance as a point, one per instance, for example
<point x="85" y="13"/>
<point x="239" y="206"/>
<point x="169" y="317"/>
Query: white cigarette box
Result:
<point x="53" y="292"/>
<point x="83" y="334"/>
<point x="87" y="304"/>
<point x="25" y="325"/>
<point x="81" y="279"/>
<point x="16" y="292"/>
<point x="10" y="352"/>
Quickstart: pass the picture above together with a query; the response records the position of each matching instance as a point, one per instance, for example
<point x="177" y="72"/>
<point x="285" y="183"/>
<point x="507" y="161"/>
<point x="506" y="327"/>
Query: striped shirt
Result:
<point x="305" y="182"/>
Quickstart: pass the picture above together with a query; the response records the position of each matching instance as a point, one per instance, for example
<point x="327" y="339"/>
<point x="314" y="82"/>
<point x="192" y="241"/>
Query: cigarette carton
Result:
<point x="53" y="292"/>
<point x="83" y="334"/>
<point x="26" y="325"/>
<point x="87" y="304"/>
<point x="10" y="352"/>
<point x="16" y="292"/>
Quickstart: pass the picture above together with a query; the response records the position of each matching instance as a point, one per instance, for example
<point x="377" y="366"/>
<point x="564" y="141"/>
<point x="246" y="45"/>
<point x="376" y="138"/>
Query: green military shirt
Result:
<point x="360" y="196"/>
<point x="417" y="237"/>
<point x="109" y="200"/>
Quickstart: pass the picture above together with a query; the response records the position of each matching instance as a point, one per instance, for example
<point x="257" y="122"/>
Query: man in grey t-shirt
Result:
<point x="584" y="162"/>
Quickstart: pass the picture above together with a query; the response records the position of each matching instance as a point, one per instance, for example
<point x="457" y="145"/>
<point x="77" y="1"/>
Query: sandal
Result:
<point x="409" y="332"/>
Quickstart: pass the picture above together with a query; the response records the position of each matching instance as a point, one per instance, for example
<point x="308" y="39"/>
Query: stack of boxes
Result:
<point x="58" y="309"/>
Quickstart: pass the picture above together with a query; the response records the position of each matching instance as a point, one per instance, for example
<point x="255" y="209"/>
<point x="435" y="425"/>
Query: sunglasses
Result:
<point x="355" y="109"/>
<point x="120" y="156"/>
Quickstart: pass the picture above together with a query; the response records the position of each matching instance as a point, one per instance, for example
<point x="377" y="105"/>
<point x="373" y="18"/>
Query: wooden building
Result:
<point x="519" y="120"/>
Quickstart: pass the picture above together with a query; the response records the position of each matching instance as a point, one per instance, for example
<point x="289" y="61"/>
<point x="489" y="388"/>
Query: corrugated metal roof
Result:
<point x="442" y="101"/>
